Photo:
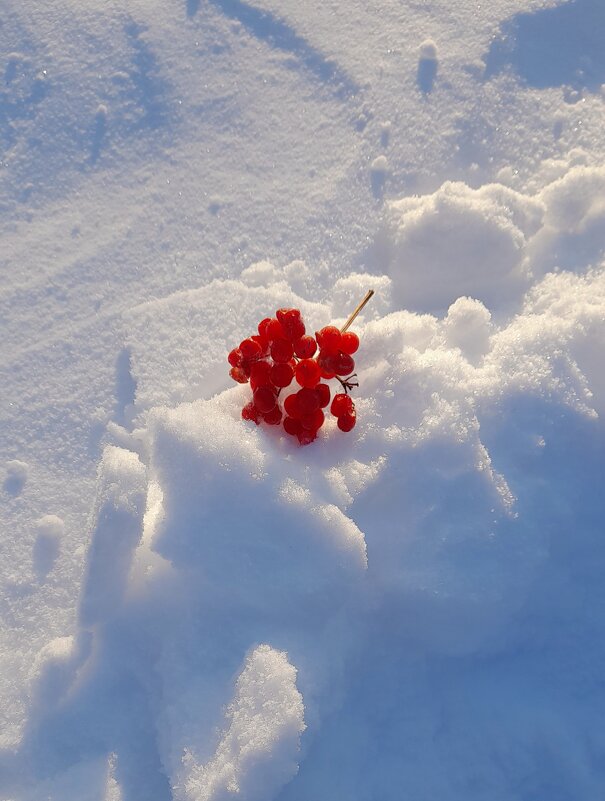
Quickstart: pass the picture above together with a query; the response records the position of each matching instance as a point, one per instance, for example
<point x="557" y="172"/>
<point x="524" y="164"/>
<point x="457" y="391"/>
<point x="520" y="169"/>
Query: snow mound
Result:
<point x="491" y="243"/>
<point x="249" y="606"/>
<point x="460" y="241"/>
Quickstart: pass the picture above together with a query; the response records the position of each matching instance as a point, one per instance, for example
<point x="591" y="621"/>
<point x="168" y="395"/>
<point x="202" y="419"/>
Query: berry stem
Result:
<point x="354" y="314"/>
<point x="347" y="384"/>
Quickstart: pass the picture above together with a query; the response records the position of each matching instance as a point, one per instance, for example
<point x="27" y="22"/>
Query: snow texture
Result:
<point x="195" y="608"/>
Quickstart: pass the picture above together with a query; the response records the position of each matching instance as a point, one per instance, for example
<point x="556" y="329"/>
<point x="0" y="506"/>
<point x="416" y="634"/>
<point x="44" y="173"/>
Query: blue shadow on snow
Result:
<point x="552" y="47"/>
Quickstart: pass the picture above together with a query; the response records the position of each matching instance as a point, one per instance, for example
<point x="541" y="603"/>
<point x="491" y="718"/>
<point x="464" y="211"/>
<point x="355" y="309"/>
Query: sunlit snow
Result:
<point x="194" y="608"/>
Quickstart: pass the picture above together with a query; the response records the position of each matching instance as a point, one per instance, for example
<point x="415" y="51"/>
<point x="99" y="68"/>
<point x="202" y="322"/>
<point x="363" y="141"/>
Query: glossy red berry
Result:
<point x="281" y="375"/>
<point x="292" y="323"/>
<point x="262" y="328"/>
<point x="306" y="437"/>
<point x="291" y="406"/>
<point x="308" y="400"/>
<point x="327" y="365"/>
<point x="250" y="412"/>
<point x="328" y="339"/>
<point x="312" y="422"/>
<point x="349" y="342"/>
<point x="342" y="404"/>
<point x="308" y="373"/>
<point x="346" y="422"/>
<point x="343" y="364"/>
<point x="273" y="418"/>
<point x="260" y="374"/>
<point x="264" y="399"/>
<point x="239" y="375"/>
<point x="262" y="343"/>
<point x="235" y="357"/>
<point x="274" y="330"/>
<point x="323" y="393"/>
<point x="292" y="426"/>
<point x="281" y="350"/>
<point x="250" y="349"/>
<point x="305" y="347"/>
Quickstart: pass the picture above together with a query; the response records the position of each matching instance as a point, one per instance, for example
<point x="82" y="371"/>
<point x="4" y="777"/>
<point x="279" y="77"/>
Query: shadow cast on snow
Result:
<point x="554" y="46"/>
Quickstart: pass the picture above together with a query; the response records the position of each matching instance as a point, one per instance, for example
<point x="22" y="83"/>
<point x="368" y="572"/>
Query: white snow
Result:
<point x="193" y="607"/>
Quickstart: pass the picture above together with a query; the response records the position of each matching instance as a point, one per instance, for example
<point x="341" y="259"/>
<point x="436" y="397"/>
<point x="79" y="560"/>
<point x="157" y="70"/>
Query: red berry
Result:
<point x="281" y="375"/>
<point x="308" y="400"/>
<point x="246" y="367"/>
<point x="346" y="422"/>
<point x="281" y="350"/>
<point x="306" y="437"/>
<point x="291" y="406"/>
<point x="264" y="399"/>
<point x="235" y="358"/>
<point x="260" y="374"/>
<point x="250" y="412"/>
<point x="250" y="349"/>
<point x="291" y="322"/>
<point x="239" y="375"/>
<point x="308" y="373"/>
<point x="312" y="422"/>
<point x="327" y="365"/>
<point x="323" y="392"/>
<point x="273" y="418"/>
<point x="274" y="330"/>
<point x="349" y="342"/>
<point x="328" y="339"/>
<point x="342" y="404"/>
<point x="344" y="364"/>
<point x="262" y="343"/>
<point x="262" y="328"/>
<point x="305" y="347"/>
<point x="292" y="426"/>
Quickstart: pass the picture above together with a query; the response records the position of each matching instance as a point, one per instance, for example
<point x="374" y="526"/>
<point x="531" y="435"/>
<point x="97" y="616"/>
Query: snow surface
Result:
<point x="193" y="608"/>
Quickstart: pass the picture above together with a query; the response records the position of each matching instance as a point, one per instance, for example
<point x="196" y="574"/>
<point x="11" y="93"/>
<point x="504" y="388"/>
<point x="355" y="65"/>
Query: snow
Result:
<point x="193" y="607"/>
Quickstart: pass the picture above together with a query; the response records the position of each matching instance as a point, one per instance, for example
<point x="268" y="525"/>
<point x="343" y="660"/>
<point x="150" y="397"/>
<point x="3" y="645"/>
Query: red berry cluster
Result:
<point x="282" y="352"/>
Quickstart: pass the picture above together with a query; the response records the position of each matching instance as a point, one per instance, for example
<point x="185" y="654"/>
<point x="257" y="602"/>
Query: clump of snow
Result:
<point x="576" y="202"/>
<point x="379" y="170"/>
<point x="120" y="505"/>
<point x="258" y="751"/>
<point x="460" y="241"/>
<point x="428" y="50"/>
<point x="428" y="64"/>
<point x="16" y="476"/>
<point x="468" y="327"/>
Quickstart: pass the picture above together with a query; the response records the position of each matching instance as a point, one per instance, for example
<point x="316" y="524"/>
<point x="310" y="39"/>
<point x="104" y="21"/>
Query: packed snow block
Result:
<point x="459" y="241"/>
<point x="179" y="345"/>
<point x="118" y="516"/>
<point x="259" y="746"/>
<point x="237" y="514"/>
